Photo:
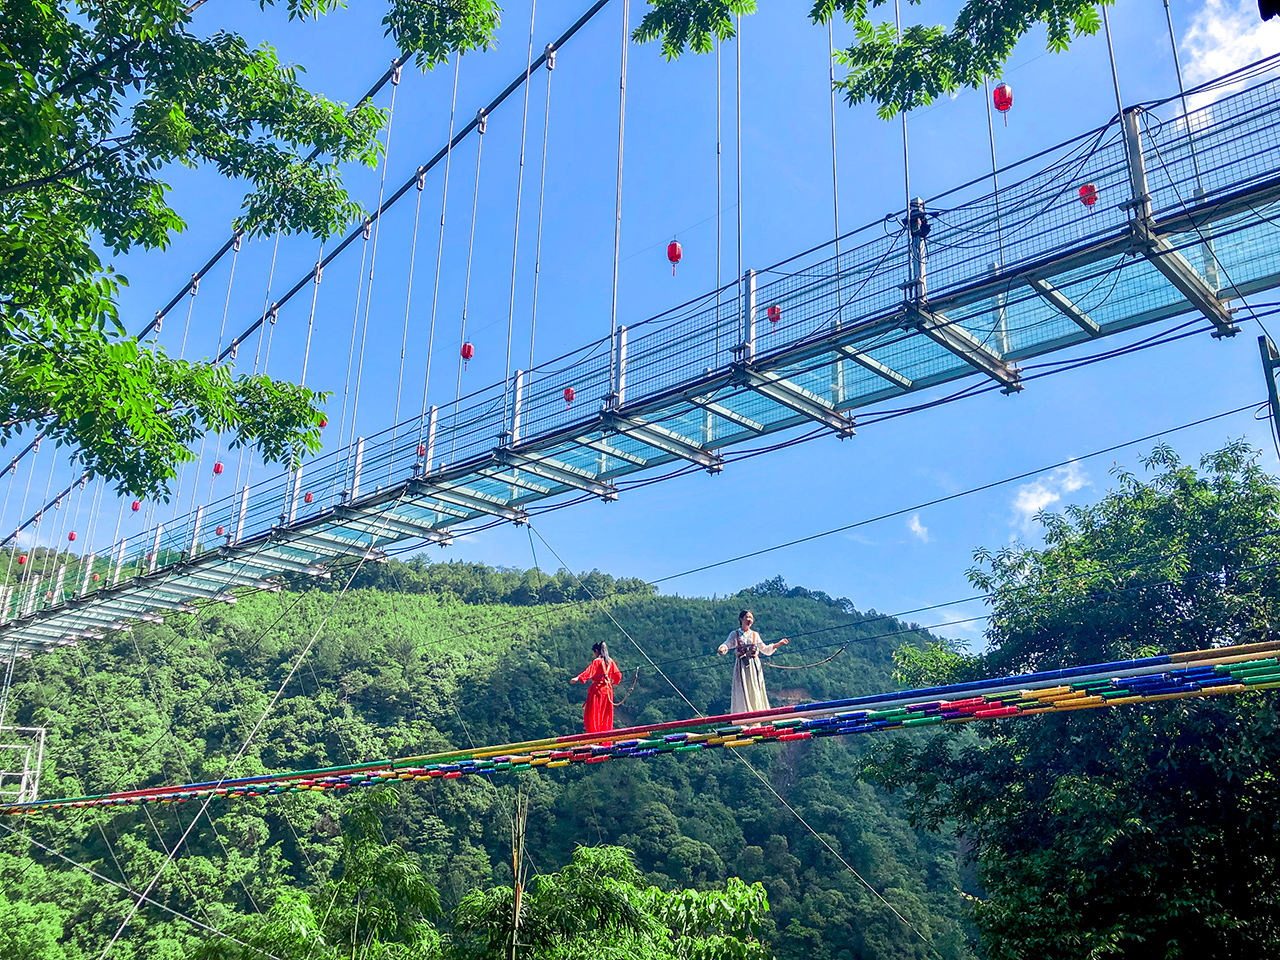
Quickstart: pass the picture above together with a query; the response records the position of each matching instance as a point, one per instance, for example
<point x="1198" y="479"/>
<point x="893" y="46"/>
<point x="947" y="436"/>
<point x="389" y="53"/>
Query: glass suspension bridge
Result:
<point x="1130" y="224"/>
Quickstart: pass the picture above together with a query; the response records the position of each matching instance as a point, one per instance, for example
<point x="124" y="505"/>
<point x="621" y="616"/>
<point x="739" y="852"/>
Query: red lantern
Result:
<point x="323" y="423"/>
<point x="22" y="559"/>
<point x="96" y="578"/>
<point x="1002" y="97"/>
<point x="137" y="505"/>
<point x="217" y="468"/>
<point x="1089" y="194"/>
<point x="220" y="531"/>
<point x="569" y="394"/>
<point x="468" y="351"/>
<point x="674" y="253"/>
<point x="422" y="450"/>
<point x="71" y="536"/>
<point x="775" y="313"/>
<point x="308" y="497"/>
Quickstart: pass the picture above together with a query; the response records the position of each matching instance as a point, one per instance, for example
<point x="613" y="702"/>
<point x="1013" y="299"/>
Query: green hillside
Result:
<point x="419" y="657"/>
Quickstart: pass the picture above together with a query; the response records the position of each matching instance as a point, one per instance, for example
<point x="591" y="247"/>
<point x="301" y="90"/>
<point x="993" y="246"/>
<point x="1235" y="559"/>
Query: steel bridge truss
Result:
<point x="973" y="283"/>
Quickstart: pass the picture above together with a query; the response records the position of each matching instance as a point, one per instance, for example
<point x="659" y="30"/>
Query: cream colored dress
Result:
<point x="748" y="676"/>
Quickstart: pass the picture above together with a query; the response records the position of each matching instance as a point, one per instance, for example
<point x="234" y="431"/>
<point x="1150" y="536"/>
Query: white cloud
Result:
<point x="1224" y="35"/>
<point x="918" y="528"/>
<point x="1041" y="493"/>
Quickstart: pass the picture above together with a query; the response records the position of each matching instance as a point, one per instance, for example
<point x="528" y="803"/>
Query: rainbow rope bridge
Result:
<point x="1200" y="673"/>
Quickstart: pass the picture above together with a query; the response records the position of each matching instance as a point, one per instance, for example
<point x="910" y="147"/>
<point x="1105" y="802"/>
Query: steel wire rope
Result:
<point x="408" y="297"/>
<point x="737" y="90"/>
<point x="835" y="180"/>
<point x="269" y="313"/>
<point x="550" y="55"/>
<point x="430" y="164"/>
<point x="466" y="290"/>
<point x="343" y="444"/>
<point x="243" y="748"/>
<point x="508" y="427"/>
<point x="615" y="372"/>
<point x="133" y="893"/>
<point x="644" y="653"/>
<point x="373" y="258"/>
<point x="111" y="737"/>
<point x="157" y="697"/>
<point x="719" y="198"/>
<point x="435" y="293"/>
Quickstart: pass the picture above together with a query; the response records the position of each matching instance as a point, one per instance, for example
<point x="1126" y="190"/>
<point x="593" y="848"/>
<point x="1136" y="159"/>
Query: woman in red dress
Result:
<point x="602" y="674"/>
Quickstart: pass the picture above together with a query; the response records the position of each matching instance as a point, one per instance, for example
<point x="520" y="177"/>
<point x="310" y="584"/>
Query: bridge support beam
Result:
<point x="875" y="366"/>
<point x="470" y="500"/>
<point x="1170" y="262"/>
<point x="719" y="410"/>
<point x="668" y="441"/>
<point x="379" y="525"/>
<point x="1064" y="305"/>
<point x="967" y="347"/>
<point x="561" y="473"/>
<point x="794" y="397"/>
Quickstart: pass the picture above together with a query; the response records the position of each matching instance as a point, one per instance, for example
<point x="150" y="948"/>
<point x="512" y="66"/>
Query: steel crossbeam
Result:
<point x="951" y="335"/>
<point x="868" y="362"/>
<point x="468" y="500"/>
<point x="390" y="527"/>
<point x="667" y="441"/>
<point x="794" y="397"/>
<point x="1064" y="305"/>
<point x="561" y="473"/>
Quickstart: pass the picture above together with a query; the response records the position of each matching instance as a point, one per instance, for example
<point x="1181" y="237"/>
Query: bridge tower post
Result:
<point x="1162" y="255"/>
<point x="746" y="348"/>
<point x="1270" y="364"/>
<point x="917" y="230"/>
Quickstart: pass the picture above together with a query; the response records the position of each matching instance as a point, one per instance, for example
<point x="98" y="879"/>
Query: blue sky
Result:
<point x="912" y="560"/>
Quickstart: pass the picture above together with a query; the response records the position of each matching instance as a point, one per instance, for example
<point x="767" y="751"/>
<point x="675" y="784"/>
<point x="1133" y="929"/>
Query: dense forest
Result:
<point x="420" y="656"/>
<point x="1141" y="831"/>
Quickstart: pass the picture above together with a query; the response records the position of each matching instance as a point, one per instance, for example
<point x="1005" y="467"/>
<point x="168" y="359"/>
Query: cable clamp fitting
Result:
<point x="550" y="54"/>
<point x="422" y="178"/>
<point x="395" y="72"/>
<point x="482" y="120"/>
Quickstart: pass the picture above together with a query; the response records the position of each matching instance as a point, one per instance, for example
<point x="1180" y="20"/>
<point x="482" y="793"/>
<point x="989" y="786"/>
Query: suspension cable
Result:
<point x="435" y="292"/>
<point x="550" y="55"/>
<point x="995" y="178"/>
<point x="737" y="55"/>
<point x="373" y="254"/>
<point x="466" y="290"/>
<point x="614" y="373"/>
<point x="715" y="357"/>
<point x="835" y="179"/>
<point x="515" y="232"/>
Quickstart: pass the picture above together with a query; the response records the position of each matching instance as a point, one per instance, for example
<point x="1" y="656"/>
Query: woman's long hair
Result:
<point x="601" y="650"/>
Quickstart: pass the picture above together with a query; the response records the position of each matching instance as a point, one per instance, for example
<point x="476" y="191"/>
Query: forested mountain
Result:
<point x="419" y="657"/>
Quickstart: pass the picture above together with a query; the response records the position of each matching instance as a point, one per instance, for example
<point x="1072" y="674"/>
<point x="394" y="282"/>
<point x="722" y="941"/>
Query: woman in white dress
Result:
<point x="748" y="676"/>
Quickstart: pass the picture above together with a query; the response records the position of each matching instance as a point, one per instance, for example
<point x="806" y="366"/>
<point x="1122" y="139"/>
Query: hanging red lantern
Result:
<point x="674" y="254"/>
<point x="308" y="497"/>
<point x="71" y="536"/>
<point x="569" y="394"/>
<point x="422" y="450"/>
<point x="468" y="351"/>
<point x="137" y="505"/>
<point x="96" y="578"/>
<point x="1002" y="98"/>
<point x="217" y="468"/>
<point x="774" y="313"/>
<point x="220" y="531"/>
<point x="1089" y="194"/>
<point x="22" y="560"/>
<point x="323" y="423"/>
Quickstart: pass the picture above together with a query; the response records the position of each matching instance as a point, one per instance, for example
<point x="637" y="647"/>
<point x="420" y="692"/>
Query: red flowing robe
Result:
<point x="597" y="715"/>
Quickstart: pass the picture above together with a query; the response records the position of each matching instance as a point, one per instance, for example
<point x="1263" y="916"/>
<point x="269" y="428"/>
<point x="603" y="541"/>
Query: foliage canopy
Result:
<point x="98" y="101"/>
